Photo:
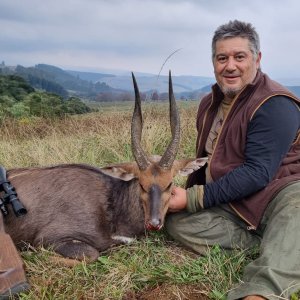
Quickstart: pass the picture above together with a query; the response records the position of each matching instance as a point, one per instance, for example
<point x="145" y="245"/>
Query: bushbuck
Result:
<point x="80" y="210"/>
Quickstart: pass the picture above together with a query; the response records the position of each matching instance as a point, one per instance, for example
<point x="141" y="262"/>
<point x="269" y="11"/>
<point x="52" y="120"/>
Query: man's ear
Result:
<point x="185" y="167"/>
<point x="123" y="171"/>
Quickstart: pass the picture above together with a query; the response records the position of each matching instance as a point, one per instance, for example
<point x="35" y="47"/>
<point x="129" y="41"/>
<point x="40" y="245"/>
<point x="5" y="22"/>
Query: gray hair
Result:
<point x="237" y="29"/>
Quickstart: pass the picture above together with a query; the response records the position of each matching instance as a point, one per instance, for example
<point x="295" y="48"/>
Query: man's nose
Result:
<point x="231" y="65"/>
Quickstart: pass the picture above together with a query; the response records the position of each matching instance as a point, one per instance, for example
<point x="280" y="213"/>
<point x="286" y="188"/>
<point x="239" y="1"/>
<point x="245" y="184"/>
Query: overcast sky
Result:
<point x="139" y="35"/>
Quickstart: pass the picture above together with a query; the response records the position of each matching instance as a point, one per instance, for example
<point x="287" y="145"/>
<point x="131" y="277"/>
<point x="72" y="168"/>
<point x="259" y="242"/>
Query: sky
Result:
<point x="141" y="35"/>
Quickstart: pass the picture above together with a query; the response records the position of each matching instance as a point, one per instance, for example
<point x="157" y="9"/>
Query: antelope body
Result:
<point x="80" y="210"/>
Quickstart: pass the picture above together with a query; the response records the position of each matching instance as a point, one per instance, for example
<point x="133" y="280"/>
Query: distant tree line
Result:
<point x="19" y="99"/>
<point x="52" y="79"/>
<point x="128" y="96"/>
<point x="55" y="80"/>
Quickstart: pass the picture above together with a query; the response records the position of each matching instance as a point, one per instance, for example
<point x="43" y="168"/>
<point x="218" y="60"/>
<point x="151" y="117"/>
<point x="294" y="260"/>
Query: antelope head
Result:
<point x="155" y="173"/>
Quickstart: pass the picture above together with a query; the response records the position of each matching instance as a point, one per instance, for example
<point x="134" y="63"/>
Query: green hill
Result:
<point x="90" y="76"/>
<point x="55" y="80"/>
<point x="14" y="87"/>
<point x="73" y="84"/>
<point x="19" y="99"/>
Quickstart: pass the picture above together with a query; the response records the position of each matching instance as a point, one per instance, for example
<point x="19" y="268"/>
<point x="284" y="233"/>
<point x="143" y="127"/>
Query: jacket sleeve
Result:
<point x="270" y="134"/>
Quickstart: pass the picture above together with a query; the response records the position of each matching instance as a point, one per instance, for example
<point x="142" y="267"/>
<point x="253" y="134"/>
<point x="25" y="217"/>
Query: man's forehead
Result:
<point x="232" y="44"/>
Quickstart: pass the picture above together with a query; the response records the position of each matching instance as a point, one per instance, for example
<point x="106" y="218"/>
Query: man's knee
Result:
<point x="179" y="227"/>
<point x="207" y="228"/>
<point x="172" y="225"/>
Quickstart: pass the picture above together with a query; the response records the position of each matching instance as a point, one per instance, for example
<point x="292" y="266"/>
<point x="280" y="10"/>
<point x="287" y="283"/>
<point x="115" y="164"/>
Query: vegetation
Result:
<point x="91" y="86"/>
<point x="55" y="80"/>
<point x="154" y="267"/>
<point x="18" y="99"/>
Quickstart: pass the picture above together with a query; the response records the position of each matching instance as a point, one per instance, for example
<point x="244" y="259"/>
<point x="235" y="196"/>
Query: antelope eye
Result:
<point x="142" y="188"/>
<point x="169" y="186"/>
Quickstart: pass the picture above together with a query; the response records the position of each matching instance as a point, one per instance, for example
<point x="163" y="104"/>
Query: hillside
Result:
<point x="90" y="76"/>
<point x="147" y="82"/>
<point x="19" y="99"/>
<point x="14" y="87"/>
<point x="105" y="86"/>
<point x="55" y="80"/>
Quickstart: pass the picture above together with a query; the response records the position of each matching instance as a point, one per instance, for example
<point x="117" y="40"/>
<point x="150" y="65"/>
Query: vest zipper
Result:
<point x="250" y="226"/>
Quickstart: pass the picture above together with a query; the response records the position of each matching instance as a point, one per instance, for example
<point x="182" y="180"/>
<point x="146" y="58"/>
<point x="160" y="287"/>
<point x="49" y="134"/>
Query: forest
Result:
<point x="19" y="99"/>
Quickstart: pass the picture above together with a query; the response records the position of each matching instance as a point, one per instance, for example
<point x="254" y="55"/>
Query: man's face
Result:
<point x="235" y="66"/>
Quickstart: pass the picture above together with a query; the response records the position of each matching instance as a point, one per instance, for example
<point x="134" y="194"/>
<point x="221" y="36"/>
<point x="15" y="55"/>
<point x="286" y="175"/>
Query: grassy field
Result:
<point x="154" y="267"/>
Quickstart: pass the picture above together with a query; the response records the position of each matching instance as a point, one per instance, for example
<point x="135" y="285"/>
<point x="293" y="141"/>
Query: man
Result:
<point x="249" y="192"/>
<point x="12" y="275"/>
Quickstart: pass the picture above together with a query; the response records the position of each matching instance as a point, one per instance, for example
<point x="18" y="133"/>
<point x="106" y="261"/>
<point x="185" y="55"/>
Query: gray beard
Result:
<point x="230" y="93"/>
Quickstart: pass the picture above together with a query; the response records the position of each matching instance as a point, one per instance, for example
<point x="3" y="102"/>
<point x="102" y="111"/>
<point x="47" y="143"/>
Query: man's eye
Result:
<point x="240" y="57"/>
<point x="221" y="59"/>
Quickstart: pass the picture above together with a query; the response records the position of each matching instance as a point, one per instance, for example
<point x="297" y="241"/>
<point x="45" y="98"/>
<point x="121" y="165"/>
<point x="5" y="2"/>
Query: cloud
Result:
<point x="140" y="35"/>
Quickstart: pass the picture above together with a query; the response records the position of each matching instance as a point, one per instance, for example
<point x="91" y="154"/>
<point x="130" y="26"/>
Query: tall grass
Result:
<point x="152" y="268"/>
<point x="97" y="139"/>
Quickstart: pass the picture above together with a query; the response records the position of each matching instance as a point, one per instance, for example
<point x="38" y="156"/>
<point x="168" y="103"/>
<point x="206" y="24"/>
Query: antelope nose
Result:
<point x="154" y="224"/>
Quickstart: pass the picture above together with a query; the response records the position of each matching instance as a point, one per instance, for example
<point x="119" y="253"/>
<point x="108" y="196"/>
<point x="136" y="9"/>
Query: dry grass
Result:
<point x="152" y="268"/>
<point x="97" y="139"/>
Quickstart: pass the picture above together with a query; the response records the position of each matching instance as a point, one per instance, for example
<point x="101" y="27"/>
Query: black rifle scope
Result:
<point x="10" y="196"/>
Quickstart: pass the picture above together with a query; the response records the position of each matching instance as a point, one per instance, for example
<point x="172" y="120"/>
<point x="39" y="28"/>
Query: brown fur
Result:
<point x="74" y="208"/>
<point x="79" y="209"/>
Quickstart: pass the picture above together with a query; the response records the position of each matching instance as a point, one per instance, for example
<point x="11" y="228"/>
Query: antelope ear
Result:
<point x="187" y="166"/>
<point x="125" y="171"/>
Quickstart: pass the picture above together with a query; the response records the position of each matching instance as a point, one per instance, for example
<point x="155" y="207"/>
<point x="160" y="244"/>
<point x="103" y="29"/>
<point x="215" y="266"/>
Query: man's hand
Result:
<point x="178" y="199"/>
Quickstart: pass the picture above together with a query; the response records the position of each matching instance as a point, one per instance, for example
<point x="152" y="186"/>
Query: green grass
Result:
<point x="154" y="267"/>
<point x="133" y="269"/>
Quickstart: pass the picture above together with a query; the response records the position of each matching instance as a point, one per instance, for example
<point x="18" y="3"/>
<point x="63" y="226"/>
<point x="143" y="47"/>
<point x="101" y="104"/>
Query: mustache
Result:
<point x="231" y="74"/>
